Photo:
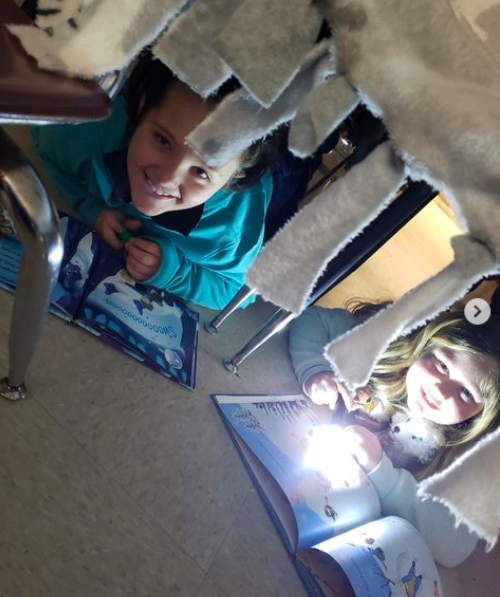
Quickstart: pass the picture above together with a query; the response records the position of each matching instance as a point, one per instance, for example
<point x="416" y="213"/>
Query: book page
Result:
<point x="10" y="252"/>
<point x="277" y="504"/>
<point x="383" y="558"/>
<point x="322" y="575"/>
<point x="279" y="433"/>
<point x="77" y="260"/>
<point x="80" y="248"/>
<point x="149" y="324"/>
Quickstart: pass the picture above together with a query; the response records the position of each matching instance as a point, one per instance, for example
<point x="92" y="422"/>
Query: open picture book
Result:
<point x="95" y="292"/>
<point x="322" y="503"/>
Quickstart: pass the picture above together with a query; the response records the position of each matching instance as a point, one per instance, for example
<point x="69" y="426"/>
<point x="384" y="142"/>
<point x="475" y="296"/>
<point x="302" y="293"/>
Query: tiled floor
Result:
<point x="115" y="481"/>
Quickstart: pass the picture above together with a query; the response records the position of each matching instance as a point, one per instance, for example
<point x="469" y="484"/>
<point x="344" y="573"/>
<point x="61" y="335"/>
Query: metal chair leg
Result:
<point x="414" y="198"/>
<point x="273" y="325"/>
<point x="37" y="226"/>
<point x="212" y="327"/>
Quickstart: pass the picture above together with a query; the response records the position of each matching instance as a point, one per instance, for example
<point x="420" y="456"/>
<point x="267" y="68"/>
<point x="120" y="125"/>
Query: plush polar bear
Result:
<point x="411" y="442"/>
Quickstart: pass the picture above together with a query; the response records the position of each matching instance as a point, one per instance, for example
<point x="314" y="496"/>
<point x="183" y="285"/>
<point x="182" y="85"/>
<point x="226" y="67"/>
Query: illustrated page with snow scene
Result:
<point x="280" y="439"/>
<point x="151" y="325"/>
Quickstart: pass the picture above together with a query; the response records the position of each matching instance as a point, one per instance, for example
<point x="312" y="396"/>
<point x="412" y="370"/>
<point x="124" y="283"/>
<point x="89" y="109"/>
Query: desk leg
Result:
<point x="273" y="325"/>
<point x="37" y="226"/>
<point x="212" y="327"/>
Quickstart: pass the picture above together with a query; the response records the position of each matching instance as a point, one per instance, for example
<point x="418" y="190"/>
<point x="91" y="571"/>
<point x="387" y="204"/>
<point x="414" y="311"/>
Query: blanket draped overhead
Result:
<point x="430" y="69"/>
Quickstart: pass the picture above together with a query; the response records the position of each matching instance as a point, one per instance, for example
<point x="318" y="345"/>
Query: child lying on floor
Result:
<point x="436" y="388"/>
<point x="187" y="228"/>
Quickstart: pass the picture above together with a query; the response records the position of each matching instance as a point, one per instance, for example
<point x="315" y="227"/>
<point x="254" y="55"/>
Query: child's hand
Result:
<point x="325" y="388"/>
<point x="143" y="258"/>
<point x="109" y="223"/>
<point x="365" y="447"/>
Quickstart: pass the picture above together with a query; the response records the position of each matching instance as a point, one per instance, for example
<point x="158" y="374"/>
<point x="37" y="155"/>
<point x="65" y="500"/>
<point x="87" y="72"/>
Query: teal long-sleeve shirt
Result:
<point x="208" y="265"/>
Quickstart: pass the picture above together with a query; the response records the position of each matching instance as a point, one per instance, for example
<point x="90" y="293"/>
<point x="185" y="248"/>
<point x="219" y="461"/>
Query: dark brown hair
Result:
<point x="146" y="89"/>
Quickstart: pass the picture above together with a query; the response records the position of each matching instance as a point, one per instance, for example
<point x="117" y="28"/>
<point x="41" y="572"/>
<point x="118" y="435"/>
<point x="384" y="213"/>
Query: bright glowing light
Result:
<point x="56" y="253"/>
<point x="325" y="442"/>
<point x="329" y="451"/>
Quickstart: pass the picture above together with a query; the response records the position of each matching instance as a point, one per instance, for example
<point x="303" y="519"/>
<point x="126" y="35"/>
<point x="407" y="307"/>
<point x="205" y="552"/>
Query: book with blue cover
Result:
<point x="322" y="503"/>
<point x="95" y="292"/>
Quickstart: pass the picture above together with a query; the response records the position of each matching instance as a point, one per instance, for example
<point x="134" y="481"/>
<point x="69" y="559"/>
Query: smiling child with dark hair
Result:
<point x="194" y="230"/>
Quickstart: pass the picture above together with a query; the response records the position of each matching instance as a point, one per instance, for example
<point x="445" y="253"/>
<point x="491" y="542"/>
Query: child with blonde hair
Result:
<point x="436" y="388"/>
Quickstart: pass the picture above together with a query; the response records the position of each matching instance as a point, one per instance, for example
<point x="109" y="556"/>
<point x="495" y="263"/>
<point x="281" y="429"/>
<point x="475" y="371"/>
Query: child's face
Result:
<point x="443" y="385"/>
<point x="165" y="174"/>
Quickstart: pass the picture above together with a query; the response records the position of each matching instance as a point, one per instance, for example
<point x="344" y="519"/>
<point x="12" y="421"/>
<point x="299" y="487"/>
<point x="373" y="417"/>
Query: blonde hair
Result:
<point x="387" y="385"/>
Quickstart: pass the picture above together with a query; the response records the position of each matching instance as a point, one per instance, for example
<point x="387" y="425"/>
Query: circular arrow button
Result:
<point x="477" y="311"/>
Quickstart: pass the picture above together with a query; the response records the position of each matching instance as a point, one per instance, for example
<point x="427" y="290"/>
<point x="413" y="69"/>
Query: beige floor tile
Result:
<point x="68" y="529"/>
<point x="252" y="559"/>
<point x="210" y="589"/>
<point x="268" y="369"/>
<point x="164" y="444"/>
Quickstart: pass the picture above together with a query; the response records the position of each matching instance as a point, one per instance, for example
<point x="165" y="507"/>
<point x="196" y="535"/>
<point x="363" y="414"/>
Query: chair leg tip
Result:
<point x="11" y="392"/>
<point x="230" y="366"/>
<point x="210" y="328"/>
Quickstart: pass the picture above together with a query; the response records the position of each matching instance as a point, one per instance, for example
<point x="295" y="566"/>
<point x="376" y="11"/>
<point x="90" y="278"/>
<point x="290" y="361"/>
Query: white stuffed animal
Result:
<point x="411" y="442"/>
